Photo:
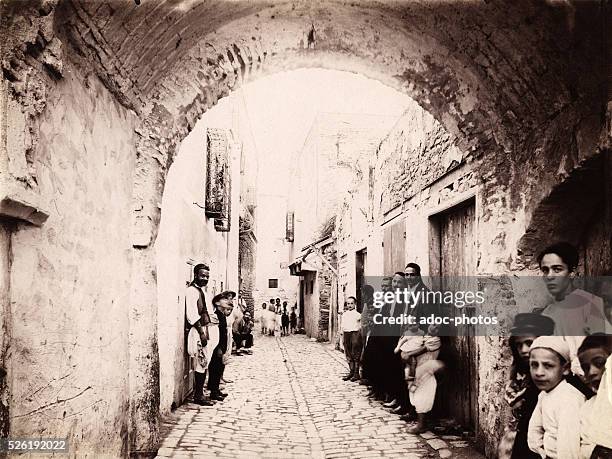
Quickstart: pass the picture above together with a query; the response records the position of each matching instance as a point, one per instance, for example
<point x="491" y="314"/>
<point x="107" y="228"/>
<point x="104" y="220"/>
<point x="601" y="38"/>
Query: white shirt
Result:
<point x="554" y="427"/>
<point x="351" y="321"/>
<point x="192" y="295"/>
<point x="413" y="342"/>
<point x="579" y="314"/>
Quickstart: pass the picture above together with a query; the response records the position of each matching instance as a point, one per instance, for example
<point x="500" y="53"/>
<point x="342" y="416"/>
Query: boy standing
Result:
<point x="351" y="333"/>
<point x="595" y="420"/>
<point x="216" y="366"/>
<point x="293" y="320"/>
<point x="285" y="322"/>
<point x="554" y="427"/>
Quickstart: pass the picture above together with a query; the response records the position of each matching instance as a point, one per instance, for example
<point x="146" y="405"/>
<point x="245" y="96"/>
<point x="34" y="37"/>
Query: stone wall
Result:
<point x="6" y="325"/>
<point x="70" y="279"/>
<point x="419" y="172"/>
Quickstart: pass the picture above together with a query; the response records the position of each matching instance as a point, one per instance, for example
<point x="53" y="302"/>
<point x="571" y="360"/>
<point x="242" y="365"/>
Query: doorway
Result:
<point x="453" y="259"/>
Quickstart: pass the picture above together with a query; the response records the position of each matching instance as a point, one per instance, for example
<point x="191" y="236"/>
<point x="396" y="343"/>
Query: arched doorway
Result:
<point x="510" y="86"/>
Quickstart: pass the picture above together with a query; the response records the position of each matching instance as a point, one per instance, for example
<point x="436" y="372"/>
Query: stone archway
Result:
<point x="514" y="87"/>
<point x="567" y="213"/>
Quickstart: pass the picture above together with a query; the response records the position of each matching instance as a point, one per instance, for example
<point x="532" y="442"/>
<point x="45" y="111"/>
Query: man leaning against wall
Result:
<point x="203" y="328"/>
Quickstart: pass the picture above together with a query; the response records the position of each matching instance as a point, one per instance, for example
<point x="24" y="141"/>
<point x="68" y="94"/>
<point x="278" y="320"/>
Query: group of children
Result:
<point x="555" y="414"/>
<point x="274" y="319"/>
<point x="559" y="390"/>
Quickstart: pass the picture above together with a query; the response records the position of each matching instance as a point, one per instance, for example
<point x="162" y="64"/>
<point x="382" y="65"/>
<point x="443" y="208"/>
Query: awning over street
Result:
<point x="300" y="266"/>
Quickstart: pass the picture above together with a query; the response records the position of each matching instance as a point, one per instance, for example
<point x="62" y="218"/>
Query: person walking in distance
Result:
<point x="285" y="322"/>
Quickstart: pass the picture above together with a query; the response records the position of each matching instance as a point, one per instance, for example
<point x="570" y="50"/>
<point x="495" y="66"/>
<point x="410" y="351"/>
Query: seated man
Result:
<point x="244" y="334"/>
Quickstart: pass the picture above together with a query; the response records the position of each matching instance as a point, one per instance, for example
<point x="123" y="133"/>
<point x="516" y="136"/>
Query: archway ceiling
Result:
<point x="491" y="71"/>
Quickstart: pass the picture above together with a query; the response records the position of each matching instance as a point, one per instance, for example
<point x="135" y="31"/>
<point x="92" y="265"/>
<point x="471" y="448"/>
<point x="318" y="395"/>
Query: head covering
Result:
<point x="228" y="293"/>
<point x="529" y="323"/>
<point x="218" y="297"/>
<point x="553" y="343"/>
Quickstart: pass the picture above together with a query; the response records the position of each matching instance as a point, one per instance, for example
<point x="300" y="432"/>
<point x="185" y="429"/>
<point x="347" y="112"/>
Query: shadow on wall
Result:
<point x="578" y="211"/>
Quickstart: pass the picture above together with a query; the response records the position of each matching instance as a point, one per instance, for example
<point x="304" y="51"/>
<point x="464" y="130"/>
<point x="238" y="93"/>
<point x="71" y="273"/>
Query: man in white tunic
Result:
<point x="203" y="327"/>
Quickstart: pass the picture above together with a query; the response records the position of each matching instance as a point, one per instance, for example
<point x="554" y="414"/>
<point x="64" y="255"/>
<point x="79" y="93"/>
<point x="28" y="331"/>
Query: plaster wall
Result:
<point x="70" y="279"/>
<point x="187" y="237"/>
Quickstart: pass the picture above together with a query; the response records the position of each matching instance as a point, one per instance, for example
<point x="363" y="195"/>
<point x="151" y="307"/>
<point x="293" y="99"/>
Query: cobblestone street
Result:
<point x="287" y="401"/>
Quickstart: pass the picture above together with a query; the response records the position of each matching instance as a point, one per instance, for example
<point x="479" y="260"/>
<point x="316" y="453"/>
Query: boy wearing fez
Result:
<point x="554" y="427"/>
<point x="216" y="367"/>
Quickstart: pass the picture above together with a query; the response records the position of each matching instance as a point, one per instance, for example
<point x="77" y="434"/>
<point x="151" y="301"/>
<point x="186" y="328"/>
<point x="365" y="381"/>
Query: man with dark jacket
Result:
<point x="216" y="367"/>
<point x="423" y="307"/>
<point x="243" y="334"/>
<point x="393" y="368"/>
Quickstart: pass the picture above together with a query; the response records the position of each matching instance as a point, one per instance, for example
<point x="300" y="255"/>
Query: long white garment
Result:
<point x="278" y="322"/>
<point x="270" y="319"/>
<point x="213" y="340"/>
<point x="422" y="398"/>
<point x="194" y="345"/>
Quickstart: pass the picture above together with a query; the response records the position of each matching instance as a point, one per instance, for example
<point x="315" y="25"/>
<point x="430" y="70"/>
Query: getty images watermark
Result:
<point x="483" y="306"/>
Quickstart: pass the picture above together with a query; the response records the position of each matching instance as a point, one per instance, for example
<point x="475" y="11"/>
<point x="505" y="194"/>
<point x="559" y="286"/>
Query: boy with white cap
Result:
<point x="554" y="427"/>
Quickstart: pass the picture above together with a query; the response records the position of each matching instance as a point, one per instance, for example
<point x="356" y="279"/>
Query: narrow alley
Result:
<point x="287" y="401"/>
<point x="402" y="203"/>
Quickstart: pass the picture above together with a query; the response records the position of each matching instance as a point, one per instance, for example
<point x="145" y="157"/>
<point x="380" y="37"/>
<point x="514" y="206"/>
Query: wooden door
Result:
<point x="457" y="253"/>
<point x="394" y="248"/>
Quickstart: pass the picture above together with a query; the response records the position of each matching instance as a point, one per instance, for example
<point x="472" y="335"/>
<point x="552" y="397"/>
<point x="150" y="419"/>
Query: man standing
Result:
<point x="222" y="310"/>
<point x="395" y="387"/>
<point x="373" y="356"/>
<point x="203" y="330"/>
<point x="417" y="289"/>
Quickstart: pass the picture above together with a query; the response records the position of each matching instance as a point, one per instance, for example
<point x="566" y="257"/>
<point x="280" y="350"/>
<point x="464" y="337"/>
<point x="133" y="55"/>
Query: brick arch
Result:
<point x="513" y="85"/>
<point x="567" y="213"/>
<point x="494" y="78"/>
<point x="491" y="90"/>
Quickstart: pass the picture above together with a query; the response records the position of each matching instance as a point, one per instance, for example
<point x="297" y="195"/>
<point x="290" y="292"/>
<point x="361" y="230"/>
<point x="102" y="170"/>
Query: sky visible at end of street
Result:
<point x="275" y="113"/>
